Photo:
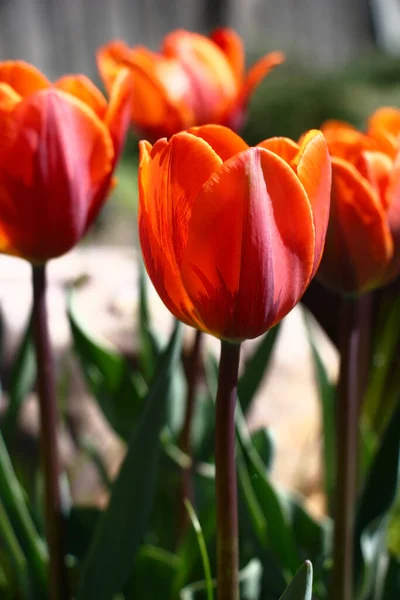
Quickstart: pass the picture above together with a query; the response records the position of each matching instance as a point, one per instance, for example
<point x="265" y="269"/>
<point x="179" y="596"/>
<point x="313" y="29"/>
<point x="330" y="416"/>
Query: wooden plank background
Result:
<point x="62" y="35"/>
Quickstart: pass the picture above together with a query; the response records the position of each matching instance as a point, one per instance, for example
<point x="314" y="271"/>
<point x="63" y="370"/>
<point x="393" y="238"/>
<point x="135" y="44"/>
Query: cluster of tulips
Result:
<point x="231" y="235"/>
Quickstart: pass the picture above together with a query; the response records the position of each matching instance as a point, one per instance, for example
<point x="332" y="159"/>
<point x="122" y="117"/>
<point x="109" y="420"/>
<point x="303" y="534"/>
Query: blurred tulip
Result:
<point x="231" y="236"/>
<point x="59" y="146"/>
<point x="362" y="249"/>
<point x="194" y="80"/>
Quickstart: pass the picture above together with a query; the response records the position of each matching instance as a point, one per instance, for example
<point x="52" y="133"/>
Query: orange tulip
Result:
<point x="59" y="146"/>
<point x="231" y="236"/>
<point x="362" y="248"/>
<point x="194" y="80"/>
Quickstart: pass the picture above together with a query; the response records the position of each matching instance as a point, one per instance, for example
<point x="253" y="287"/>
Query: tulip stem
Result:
<point x="225" y="474"/>
<point x="185" y="440"/>
<point x="48" y="436"/>
<point x="350" y="391"/>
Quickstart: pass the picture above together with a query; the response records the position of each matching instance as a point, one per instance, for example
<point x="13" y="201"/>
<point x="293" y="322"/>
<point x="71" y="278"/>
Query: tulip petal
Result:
<point x="358" y="245"/>
<point x="225" y="142"/>
<point x="213" y="83"/>
<point x="118" y="113"/>
<point x="111" y="58"/>
<point x="24" y="78"/>
<point x="170" y="176"/>
<point x="283" y="147"/>
<point x="376" y="167"/>
<point x="158" y="103"/>
<point x="387" y="119"/>
<point x="232" y="46"/>
<point x="393" y="216"/>
<point x="81" y="87"/>
<point x="314" y="171"/>
<point x="257" y="73"/>
<point x="8" y="98"/>
<point x="250" y="245"/>
<point x="51" y="165"/>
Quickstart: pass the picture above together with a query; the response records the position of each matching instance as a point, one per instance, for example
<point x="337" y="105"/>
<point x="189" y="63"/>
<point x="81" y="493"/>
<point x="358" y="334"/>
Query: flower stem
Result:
<point x="185" y="438"/>
<point x="48" y="436"/>
<point x="225" y="475"/>
<point x="351" y="387"/>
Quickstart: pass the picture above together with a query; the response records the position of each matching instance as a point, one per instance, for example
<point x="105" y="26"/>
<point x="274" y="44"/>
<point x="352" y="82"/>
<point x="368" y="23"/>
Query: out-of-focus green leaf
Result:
<point x="109" y="562"/>
<point x="154" y="570"/>
<point x="190" y="565"/>
<point x="300" y="588"/>
<point x="202" y="548"/>
<point x="263" y="443"/>
<point x="377" y="409"/>
<point x="327" y="395"/>
<point x="312" y="537"/>
<point x="249" y="584"/>
<point x="150" y="345"/>
<point x="256" y="367"/>
<point x="391" y="588"/>
<point x="14" y="504"/>
<point x="21" y="382"/>
<point x="14" y="552"/>
<point x="80" y="526"/>
<point x="279" y="534"/>
<point x="378" y="496"/>
<point x="117" y="389"/>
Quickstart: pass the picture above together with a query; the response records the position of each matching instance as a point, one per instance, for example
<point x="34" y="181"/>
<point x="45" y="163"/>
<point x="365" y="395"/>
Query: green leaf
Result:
<point x="377" y="498"/>
<point x="150" y="344"/>
<point x="12" y="498"/>
<point x="154" y="570"/>
<point x="392" y="580"/>
<point x="312" y="537"/>
<point x="14" y="551"/>
<point x="256" y="367"/>
<point x="80" y="526"/>
<point x="202" y="548"/>
<point x="23" y="375"/>
<point x="249" y="584"/>
<point x="327" y="394"/>
<point x="377" y="406"/>
<point x="110" y="559"/>
<point x="300" y="588"/>
<point x="278" y="534"/>
<point x="263" y="443"/>
<point x="118" y="390"/>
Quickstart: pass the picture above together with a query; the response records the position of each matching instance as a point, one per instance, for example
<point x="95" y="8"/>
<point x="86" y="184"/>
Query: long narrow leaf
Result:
<point x="202" y="548"/>
<point x="300" y="588"/>
<point x="256" y="367"/>
<point x="327" y="395"/>
<point x="110" y="559"/>
<point x="21" y="382"/>
<point x="14" y="504"/>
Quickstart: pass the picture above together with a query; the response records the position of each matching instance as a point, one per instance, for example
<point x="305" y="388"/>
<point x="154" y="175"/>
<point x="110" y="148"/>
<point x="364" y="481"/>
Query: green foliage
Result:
<point x="120" y="530"/>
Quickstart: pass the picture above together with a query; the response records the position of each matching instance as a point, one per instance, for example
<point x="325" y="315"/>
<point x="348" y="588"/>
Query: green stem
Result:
<point x="351" y="386"/>
<point x="225" y="474"/>
<point x="58" y="588"/>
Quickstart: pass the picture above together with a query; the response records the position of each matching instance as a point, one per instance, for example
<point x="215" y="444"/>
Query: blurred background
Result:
<point x="342" y="57"/>
<point x="343" y="61"/>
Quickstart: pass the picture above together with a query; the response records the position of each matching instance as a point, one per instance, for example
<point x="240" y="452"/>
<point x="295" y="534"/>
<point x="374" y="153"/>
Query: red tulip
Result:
<point x="194" y="80"/>
<point x="59" y="146"/>
<point x="362" y="248"/>
<point x="231" y="236"/>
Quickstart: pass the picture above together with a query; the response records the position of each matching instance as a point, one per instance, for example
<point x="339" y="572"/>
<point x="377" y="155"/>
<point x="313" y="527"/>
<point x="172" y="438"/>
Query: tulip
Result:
<point x="59" y="147"/>
<point x="194" y="80"/>
<point x="362" y="248"/>
<point x="231" y="236"/>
